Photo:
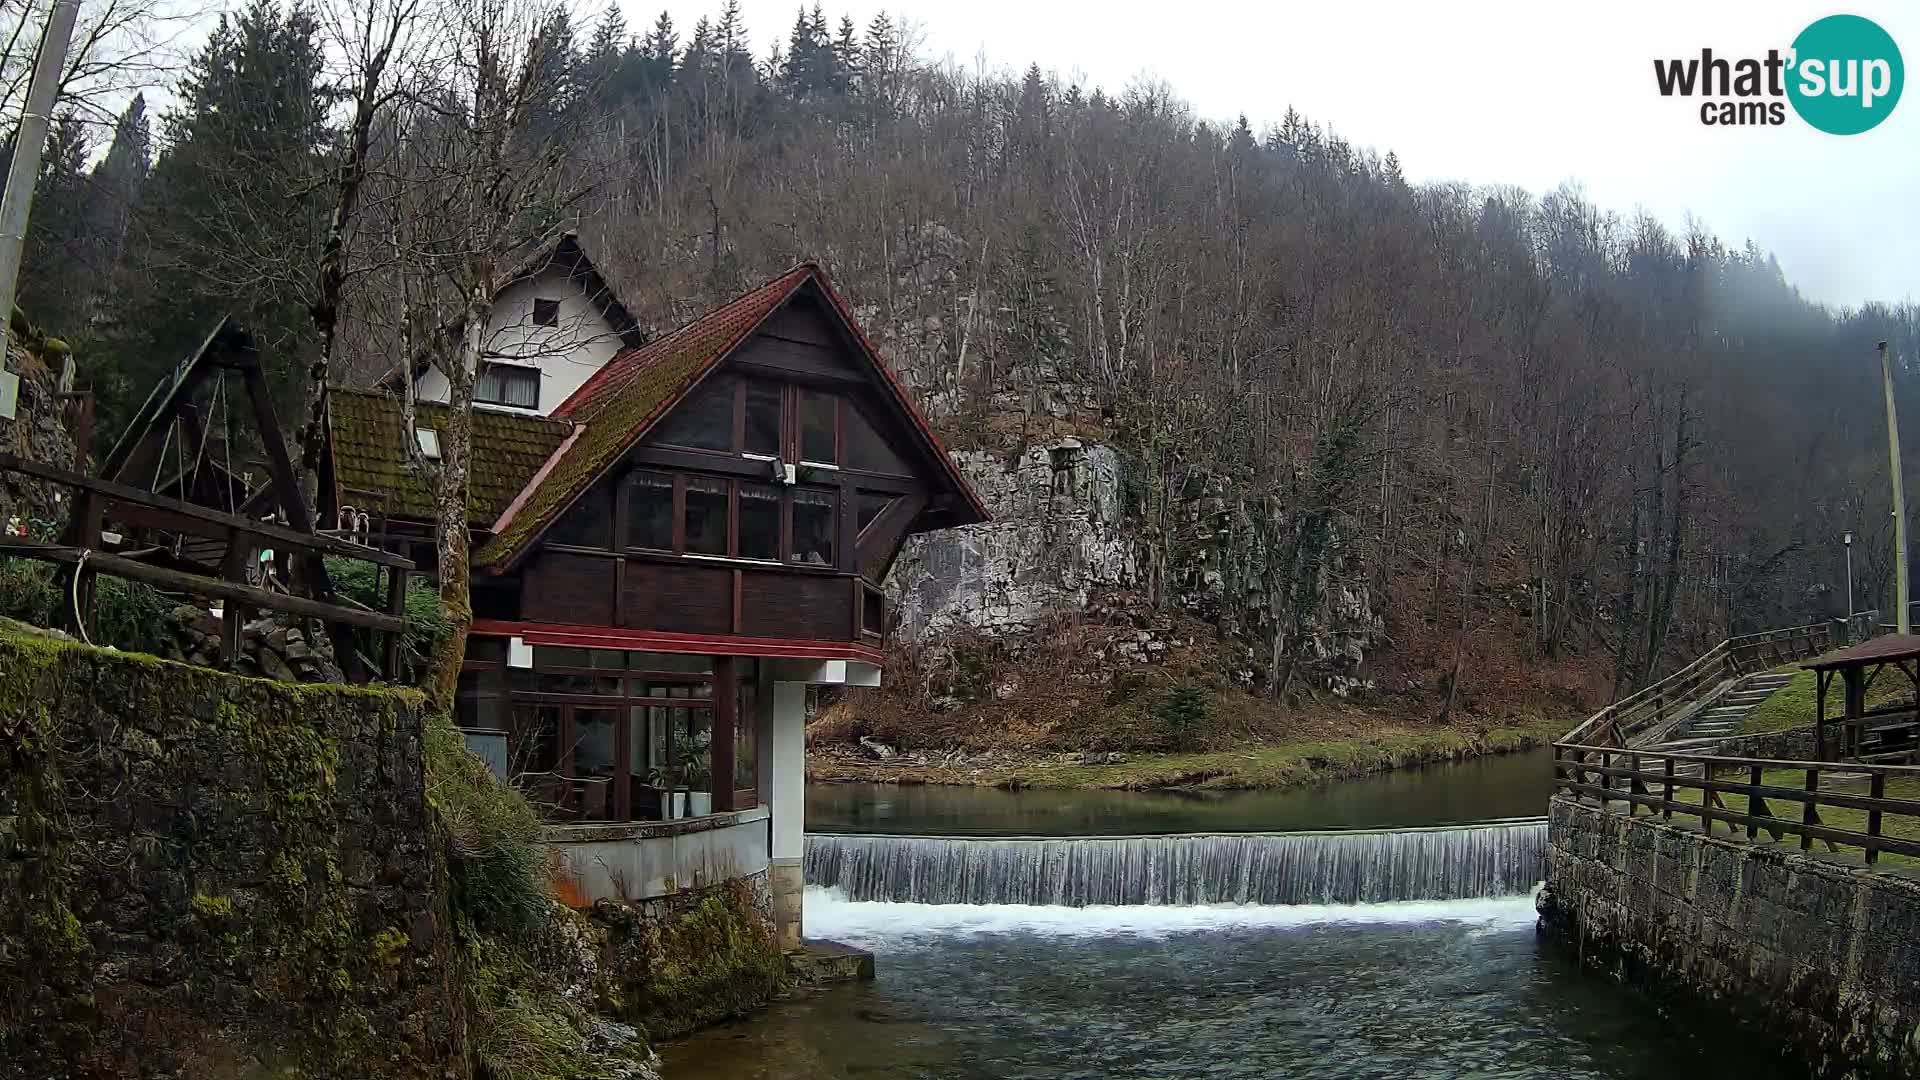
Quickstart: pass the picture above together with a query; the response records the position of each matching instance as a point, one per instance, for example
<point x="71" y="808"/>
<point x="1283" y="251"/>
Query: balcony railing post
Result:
<point x="1706" y="795"/>
<point x="1808" y="815"/>
<point x="1877" y="789"/>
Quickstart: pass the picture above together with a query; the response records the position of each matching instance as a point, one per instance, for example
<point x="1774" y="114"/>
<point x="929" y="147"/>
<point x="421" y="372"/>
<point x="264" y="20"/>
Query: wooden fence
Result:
<point x="1662" y="783"/>
<point x="1690" y="687"/>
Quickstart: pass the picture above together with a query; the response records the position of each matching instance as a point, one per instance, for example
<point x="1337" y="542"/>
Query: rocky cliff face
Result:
<point x="1062" y="539"/>
<point x="1057" y="539"/>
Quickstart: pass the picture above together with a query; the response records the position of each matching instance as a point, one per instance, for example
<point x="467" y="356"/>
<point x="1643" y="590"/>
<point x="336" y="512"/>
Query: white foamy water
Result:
<point x="877" y="925"/>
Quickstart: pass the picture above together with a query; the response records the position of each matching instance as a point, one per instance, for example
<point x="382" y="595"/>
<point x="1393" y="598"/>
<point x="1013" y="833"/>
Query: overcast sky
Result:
<point x="1489" y="91"/>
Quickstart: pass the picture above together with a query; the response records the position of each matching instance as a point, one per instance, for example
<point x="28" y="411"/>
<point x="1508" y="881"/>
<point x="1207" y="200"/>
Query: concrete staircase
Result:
<point x="1724" y="717"/>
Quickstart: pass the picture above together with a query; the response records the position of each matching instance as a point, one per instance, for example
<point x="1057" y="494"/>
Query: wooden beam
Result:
<point x="726" y="706"/>
<point x="181" y="379"/>
<point x="122" y="567"/>
<point x="219" y="519"/>
<point x="880" y="540"/>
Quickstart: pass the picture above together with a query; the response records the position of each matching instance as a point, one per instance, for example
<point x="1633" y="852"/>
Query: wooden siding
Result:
<point x="679" y="598"/>
<point x="565" y="588"/>
<point x="777" y="604"/>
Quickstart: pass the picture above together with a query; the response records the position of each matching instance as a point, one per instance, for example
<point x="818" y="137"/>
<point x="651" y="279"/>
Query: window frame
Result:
<point x="525" y="370"/>
<point x="623" y="540"/>
<point x="548" y="305"/>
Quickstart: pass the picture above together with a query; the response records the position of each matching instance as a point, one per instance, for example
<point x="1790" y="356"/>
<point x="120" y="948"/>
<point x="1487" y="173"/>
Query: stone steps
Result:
<point x="1724" y="717"/>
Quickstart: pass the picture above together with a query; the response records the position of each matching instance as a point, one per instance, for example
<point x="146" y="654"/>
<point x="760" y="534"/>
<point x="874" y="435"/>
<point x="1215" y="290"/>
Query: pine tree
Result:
<point x="602" y="67"/>
<point x="846" y="54"/>
<point x="231" y="217"/>
<point x="661" y="49"/>
<point x="114" y="188"/>
<point x="55" y="278"/>
<point x="556" y="62"/>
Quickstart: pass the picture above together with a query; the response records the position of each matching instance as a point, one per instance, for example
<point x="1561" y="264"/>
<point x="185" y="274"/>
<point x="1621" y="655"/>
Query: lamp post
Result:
<point x="1847" y="542"/>
<point x="1902" y="620"/>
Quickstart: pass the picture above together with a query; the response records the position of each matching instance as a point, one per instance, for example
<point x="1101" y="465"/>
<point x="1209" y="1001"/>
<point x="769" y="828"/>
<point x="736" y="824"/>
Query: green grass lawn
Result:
<point x="1793" y="704"/>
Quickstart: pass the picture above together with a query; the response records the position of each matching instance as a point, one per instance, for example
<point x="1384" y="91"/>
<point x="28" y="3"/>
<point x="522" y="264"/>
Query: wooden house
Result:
<point x="666" y="556"/>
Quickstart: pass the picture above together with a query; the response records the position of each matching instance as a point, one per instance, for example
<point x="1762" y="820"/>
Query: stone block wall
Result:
<point x="1818" y="951"/>
<point x="207" y="875"/>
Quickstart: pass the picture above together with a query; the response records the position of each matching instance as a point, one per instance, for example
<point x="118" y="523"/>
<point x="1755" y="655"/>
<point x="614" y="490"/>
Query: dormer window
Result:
<point x="546" y="312"/>
<point x="429" y="440"/>
<point x="512" y="385"/>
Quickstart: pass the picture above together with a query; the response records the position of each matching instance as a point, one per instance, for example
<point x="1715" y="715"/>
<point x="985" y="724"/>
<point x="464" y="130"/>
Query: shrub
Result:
<point x="126" y="614"/>
<point x="499" y="869"/>
<point x="1181" y="713"/>
<point x="426" y="622"/>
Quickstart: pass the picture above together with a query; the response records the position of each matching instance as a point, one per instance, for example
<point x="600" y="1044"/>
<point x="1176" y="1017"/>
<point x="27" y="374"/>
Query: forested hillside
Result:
<point x="1532" y="427"/>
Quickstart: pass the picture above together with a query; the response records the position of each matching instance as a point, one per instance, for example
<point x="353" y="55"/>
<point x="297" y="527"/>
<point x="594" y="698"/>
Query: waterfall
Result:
<point x="1462" y="862"/>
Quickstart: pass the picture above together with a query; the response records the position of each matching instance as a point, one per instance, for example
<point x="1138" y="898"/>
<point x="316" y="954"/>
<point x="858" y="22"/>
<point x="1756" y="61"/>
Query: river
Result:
<point x="1080" y="987"/>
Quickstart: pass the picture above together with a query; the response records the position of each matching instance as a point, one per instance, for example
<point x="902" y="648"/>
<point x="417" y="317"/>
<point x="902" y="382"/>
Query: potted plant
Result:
<point x="673" y="800"/>
<point x="697" y="773"/>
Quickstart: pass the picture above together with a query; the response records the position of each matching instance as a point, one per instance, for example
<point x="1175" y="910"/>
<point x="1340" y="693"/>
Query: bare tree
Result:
<point x="471" y="182"/>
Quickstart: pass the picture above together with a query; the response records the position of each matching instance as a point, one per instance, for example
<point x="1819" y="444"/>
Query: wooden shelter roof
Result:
<point x="1887" y="649"/>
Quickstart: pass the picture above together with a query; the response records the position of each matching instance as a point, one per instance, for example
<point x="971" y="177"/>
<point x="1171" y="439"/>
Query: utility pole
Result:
<point x="28" y="144"/>
<point x="1902" y="620"/>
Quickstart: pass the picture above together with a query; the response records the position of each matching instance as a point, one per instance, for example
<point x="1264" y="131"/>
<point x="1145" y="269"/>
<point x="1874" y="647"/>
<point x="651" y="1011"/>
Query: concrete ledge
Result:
<point x="818" y="962"/>
<point x="642" y="860"/>
<point x="601" y="831"/>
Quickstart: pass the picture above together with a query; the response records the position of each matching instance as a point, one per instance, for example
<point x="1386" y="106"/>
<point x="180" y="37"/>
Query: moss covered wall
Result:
<point x="689" y="960"/>
<point x="206" y="875"/>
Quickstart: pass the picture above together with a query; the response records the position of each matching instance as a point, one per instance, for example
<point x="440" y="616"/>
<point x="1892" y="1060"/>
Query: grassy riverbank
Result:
<point x="1260" y="765"/>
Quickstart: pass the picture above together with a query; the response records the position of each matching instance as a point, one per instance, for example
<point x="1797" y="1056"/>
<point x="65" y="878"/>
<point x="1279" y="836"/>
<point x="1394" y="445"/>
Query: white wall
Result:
<point x="643" y="860"/>
<point x="566" y="354"/>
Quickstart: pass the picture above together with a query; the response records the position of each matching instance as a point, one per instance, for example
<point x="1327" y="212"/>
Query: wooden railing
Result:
<point x="1661" y="782"/>
<point x="98" y="501"/>
<point x="1691" y="686"/>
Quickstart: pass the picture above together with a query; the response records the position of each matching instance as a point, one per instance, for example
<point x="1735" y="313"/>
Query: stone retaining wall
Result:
<point x="1817" y="950"/>
<point x="212" y="876"/>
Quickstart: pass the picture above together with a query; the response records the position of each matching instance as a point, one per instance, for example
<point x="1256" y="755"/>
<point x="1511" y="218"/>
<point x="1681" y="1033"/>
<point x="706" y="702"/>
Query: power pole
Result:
<point x="28" y="144"/>
<point x="1902" y="619"/>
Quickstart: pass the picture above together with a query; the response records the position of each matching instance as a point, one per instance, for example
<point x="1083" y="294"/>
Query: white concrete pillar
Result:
<point x="786" y="748"/>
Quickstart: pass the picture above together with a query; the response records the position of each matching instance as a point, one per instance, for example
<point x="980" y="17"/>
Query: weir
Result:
<point x="1498" y="858"/>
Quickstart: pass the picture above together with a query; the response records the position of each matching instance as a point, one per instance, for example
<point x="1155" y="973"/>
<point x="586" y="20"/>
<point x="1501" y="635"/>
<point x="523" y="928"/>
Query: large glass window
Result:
<point x="759" y="521"/>
<point x="818" y="429"/>
<point x="813" y="526"/>
<point x="706" y="516"/>
<point x="763" y="418"/>
<point x="650" y="511"/>
<point x="704" y="421"/>
<point x="588" y="522"/>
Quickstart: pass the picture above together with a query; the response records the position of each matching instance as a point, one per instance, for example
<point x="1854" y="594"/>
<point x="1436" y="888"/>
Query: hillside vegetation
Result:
<point x="1548" y="438"/>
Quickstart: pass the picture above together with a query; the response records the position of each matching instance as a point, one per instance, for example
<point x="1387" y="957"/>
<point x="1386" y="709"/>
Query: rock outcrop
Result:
<point x="36" y="432"/>
<point x="1056" y="540"/>
<point x="1063" y="539"/>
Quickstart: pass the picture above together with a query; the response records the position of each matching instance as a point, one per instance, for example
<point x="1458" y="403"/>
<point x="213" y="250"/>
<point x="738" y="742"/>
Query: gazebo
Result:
<point x="1883" y="730"/>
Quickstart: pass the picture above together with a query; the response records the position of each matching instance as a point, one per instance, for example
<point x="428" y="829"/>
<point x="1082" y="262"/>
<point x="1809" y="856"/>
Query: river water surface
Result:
<point x="1435" y="988"/>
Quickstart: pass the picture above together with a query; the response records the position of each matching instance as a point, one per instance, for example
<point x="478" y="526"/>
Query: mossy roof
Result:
<point x="625" y="398"/>
<point x="370" y="454"/>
